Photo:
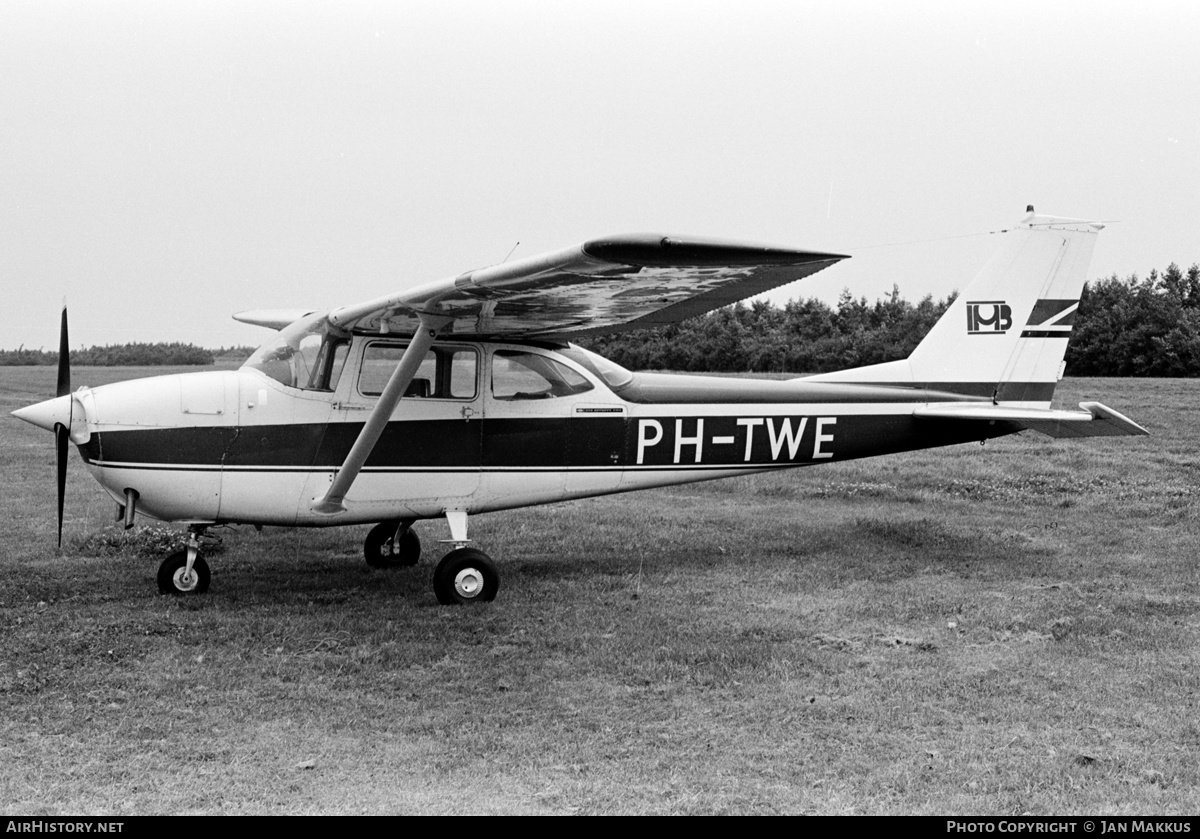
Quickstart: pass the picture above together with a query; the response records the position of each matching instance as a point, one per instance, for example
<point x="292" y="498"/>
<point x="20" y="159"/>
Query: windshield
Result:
<point x="308" y="355"/>
<point x="611" y="373"/>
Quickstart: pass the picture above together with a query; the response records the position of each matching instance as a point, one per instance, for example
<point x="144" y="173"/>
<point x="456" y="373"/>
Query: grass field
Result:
<point x="999" y="630"/>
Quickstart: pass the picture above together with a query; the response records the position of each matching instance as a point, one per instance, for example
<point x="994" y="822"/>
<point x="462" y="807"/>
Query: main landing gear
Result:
<point x="464" y="575"/>
<point x="392" y="544"/>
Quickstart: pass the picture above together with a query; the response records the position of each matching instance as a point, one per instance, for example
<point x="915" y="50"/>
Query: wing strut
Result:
<point x="401" y="378"/>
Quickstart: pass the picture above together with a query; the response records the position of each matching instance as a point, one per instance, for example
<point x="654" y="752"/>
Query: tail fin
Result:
<point x="1005" y="336"/>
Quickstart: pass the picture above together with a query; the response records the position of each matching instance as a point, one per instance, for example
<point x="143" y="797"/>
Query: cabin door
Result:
<point x="428" y="457"/>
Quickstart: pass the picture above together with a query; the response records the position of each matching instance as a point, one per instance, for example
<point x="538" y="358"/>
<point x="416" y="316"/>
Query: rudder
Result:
<point x="1006" y="335"/>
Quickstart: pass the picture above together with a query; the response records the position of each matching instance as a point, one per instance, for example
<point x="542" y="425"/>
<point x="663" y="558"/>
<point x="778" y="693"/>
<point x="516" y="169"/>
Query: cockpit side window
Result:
<point x="523" y="375"/>
<point x="445" y="372"/>
<point x="327" y="366"/>
<point x="308" y="355"/>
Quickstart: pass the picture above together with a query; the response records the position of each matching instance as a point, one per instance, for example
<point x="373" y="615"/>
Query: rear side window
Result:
<point x="522" y="375"/>
<point x="445" y="372"/>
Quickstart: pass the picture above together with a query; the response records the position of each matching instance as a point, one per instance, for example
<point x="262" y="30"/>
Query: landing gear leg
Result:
<point x="185" y="572"/>
<point x="465" y="575"/>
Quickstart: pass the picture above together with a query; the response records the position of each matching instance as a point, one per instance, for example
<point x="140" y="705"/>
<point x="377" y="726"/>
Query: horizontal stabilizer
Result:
<point x="1095" y="420"/>
<point x="272" y="318"/>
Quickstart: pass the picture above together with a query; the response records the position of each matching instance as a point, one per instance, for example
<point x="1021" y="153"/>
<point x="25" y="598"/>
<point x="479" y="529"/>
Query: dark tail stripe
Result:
<point x="1045" y="311"/>
<point x="1046" y="333"/>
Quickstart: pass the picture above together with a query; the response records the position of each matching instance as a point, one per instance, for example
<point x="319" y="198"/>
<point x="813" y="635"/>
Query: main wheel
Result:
<point x="173" y="578"/>
<point x="466" y="575"/>
<point x="383" y="550"/>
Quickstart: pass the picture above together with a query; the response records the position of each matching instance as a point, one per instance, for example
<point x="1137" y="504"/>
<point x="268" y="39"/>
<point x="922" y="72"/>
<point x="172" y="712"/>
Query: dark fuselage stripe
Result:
<point x="597" y="443"/>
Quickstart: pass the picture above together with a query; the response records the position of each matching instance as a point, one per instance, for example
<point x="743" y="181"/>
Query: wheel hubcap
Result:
<point x="185" y="581"/>
<point x="468" y="582"/>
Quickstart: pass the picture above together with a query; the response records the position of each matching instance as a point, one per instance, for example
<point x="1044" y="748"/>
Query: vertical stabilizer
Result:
<point x="1006" y="334"/>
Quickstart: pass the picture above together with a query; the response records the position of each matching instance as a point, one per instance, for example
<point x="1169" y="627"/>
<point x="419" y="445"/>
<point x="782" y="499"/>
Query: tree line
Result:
<point x="801" y="336"/>
<point x="1124" y="327"/>
<point x="126" y="355"/>
<point x="1130" y="327"/>
<point x="1135" y="327"/>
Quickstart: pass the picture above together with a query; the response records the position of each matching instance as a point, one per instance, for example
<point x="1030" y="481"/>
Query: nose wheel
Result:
<point x="185" y="572"/>
<point x="174" y="577"/>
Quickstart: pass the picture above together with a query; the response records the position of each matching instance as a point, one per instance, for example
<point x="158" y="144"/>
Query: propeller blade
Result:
<point x="61" y="433"/>
<point x="58" y="415"/>
<point x="64" y="357"/>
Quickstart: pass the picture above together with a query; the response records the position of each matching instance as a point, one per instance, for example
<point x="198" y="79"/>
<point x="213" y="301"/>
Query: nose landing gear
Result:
<point x="185" y="572"/>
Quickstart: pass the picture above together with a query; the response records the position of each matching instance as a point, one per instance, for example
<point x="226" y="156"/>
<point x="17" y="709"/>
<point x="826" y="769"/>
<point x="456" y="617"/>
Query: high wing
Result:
<point x="1095" y="420"/>
<point x="603" y="285"/>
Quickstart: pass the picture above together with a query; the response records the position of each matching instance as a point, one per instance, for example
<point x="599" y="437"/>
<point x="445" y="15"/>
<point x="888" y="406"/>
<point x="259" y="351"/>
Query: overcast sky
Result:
<point x="165" y="164"/>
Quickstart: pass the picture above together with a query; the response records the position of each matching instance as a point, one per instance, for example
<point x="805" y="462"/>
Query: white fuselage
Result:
<point x="493" y="426"/>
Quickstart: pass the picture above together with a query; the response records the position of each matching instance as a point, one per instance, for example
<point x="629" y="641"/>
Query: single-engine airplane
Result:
<point x="464" y="396"/>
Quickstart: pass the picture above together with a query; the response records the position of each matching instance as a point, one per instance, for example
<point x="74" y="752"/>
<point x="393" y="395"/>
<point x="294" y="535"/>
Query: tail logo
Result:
<point x="1051" y="319"/>
<point x="988" y="317"/>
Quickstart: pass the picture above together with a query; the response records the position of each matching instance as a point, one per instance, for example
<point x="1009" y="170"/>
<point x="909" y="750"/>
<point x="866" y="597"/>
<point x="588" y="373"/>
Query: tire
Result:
<point x="381" y="552"/>
<point x="465" y="575"/>
<point x="170" y="575"/>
